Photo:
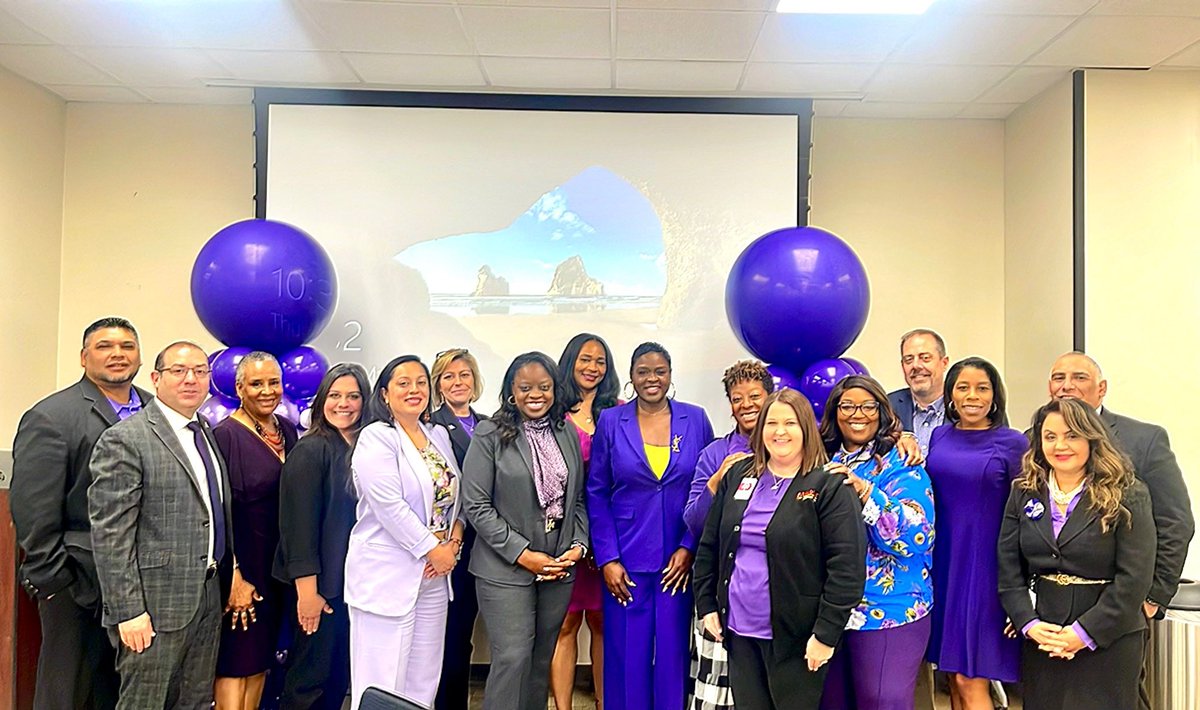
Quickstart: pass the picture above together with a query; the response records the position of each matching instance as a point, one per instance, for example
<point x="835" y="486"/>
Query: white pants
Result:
<point x="400" y="654"/>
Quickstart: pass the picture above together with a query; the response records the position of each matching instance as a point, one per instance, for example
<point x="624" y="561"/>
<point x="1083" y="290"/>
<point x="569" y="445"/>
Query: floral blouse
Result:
<point x="444" y="487"/>
<point x="899" y="516"/>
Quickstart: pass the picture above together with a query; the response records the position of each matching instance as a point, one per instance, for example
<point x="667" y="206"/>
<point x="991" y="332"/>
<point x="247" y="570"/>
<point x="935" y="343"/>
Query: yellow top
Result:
<point x="658" y="457"/>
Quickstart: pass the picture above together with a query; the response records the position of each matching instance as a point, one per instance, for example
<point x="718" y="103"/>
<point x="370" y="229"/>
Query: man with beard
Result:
<point x="921" y="406"/>
<point x="51" y="453"/>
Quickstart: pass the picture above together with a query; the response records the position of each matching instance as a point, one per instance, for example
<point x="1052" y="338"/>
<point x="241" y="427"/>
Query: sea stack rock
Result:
<point x="571" y="279"/>
<point x="489" y="284"/>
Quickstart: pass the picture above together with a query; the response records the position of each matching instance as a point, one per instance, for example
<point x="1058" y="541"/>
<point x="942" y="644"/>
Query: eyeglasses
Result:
<point x="181" y="371"/>
<point x="459" y="352"/>
<point x="869" y="409"/>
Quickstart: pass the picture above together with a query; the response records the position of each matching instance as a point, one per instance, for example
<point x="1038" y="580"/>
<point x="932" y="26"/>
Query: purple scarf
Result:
<point x="549" y="466"/>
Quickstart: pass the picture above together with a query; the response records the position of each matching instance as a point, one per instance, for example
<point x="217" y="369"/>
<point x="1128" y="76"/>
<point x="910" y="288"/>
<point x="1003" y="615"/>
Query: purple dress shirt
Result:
<point x="699" y="497"/>
<point x="749" y="591"/>
<point x="125" y="411"/>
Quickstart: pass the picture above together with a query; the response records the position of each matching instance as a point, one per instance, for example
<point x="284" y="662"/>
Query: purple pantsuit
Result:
<point x="637" y="519"/>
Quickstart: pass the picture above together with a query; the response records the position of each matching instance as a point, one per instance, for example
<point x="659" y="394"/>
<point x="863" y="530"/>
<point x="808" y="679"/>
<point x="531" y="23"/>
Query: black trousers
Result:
<point x="317" y="676"/>
<point x="460" y="627"/>
<point x="77" y="664"/>
<point x="764" y="675"/>
<point x="1106" y="678"/>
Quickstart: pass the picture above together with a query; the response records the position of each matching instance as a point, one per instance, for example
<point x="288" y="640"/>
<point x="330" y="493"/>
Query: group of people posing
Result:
<point x="791" y="563"/>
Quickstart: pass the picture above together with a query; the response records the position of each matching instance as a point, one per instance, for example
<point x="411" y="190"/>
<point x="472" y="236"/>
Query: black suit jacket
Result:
<point x="51" y="453"/>
<point x="1027" y="548"/>
<point x="1154" y="463"/>
<point x="459" y="438"/>
<point x="816" y="556"/>
<point x="902" y="404"/>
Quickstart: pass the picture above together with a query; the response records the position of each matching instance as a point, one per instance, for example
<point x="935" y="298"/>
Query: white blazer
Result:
<point x="385" y="562"/>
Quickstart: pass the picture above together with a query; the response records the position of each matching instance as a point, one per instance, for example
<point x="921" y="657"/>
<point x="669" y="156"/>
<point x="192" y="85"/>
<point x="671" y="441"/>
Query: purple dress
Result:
<point x="585" y="595"/>
<point x="254" y="478"/>
<point x="971" y="473"/>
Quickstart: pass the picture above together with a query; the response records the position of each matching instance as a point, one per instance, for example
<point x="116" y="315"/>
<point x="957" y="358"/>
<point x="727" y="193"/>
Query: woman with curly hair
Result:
<point x="523" y="492"/>
<point x="1079" y="530"/>
<point x="885" y="639"/>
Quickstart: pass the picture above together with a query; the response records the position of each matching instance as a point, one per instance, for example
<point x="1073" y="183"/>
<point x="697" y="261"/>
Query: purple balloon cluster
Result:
<point x="264" y="285"/>
<point x="798" y="298"/>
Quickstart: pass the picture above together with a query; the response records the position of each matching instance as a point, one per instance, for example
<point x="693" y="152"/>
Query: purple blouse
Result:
<point x="749" y="592"/>
<point x="699" y="497"/>
<point x="468" y="424"/>
<point x="1057" y="521"/>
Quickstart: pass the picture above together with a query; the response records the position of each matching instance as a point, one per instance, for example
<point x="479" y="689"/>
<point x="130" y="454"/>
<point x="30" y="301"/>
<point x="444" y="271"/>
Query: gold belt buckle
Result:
<point x="1060" y="579"/>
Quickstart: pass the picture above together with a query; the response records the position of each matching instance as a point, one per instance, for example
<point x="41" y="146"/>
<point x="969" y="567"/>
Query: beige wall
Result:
<point x="145" y="187"/>
<point x="1143" y="247"/>
<point x="31" y="204"/>
<point x="922" y="202"/>
<point x="1038" y="293"/>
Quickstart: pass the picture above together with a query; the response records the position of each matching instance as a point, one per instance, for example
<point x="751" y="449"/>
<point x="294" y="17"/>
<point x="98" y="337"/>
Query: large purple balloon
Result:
<point x="797" y="295"/>
<point x="212" y="383"/>
<point x="820" y="377"/>
<point x="303" y="369"/>
<point x="224" y="371"/>
<point x="783" y="377"/>
<point x="288" y="410"/>
<point x="217" y="408"/>
<point x="264" y="285"/>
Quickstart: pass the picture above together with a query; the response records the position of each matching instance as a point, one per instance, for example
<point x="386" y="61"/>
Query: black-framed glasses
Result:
<point x="869" y="409"/>
<point x="181" y="371"/>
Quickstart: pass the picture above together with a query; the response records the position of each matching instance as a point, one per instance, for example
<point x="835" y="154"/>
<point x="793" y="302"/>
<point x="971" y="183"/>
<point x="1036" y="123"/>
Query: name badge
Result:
<point x="745" y="488"/>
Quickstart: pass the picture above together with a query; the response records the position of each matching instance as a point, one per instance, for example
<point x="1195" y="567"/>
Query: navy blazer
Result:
<point x="637" y="518"/>
<point x="902" y="404"/>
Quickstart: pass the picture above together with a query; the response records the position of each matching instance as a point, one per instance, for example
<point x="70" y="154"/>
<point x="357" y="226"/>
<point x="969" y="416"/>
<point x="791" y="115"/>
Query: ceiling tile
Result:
<point x="531" y="32"/>
<point x="1120" y="41"/>
<point x="416" y="69"/>
<point x="154" y="66"/>
<point x="808" y="78"/>
<point x="51" y="65"/>
<point x="13" y="31"/>
<point x="87" y="22"/>
<point x="200" y="95"/>
<point x="1179" y="8"/>
<point x="240" y="25"/>
<point x="901" y="109"/>
<point x="979" y="39"/>
<point x="573" y="4"/>
<point x="1189" y="57"/>
<point x="98" y="94"/>
<point x="285" y="67"/>
<point x="1024" y="83"/>
<point x="916" y="82"/>
<point x="822" y="107"/>
<point x="668" y="34"/>
<point x="759" y="5"/>
<point x="1013" y="7"/>
<point x="678" y="76"/>
<point x="387" y="27"/>
<point x="538" y="73"/>
<point x="981" y="110"/>
<point x="830" y="38"/>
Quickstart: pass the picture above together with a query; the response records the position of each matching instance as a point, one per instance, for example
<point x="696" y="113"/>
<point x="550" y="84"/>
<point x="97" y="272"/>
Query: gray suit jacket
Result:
<point x="1149" y="448"/>
<point x="501" y="503"/>
<point x="149" y="524"/>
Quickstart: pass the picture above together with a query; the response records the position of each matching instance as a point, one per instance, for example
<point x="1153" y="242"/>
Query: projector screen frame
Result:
<point x="801" y="108"/>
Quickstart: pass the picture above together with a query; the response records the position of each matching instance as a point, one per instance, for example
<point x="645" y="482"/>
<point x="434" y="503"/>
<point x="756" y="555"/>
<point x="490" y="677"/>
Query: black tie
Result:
<point x="214" y="491"/>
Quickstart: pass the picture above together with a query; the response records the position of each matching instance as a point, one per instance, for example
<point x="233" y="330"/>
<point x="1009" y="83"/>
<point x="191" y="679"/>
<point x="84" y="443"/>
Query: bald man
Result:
<point x="1077" y="375"/>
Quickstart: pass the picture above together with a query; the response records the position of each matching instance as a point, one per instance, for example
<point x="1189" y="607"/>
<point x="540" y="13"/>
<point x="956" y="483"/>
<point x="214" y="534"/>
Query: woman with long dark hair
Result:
<point x="523" y="493"/>
<point x="406" y="540"/>
<point x="780" y="565"/>
<point x="590" y="386"/>
<point x="973" y="459"/>
<point x="1079" y="530"/>
<point x="316" y="513"/>
<point x="876" y="666"/>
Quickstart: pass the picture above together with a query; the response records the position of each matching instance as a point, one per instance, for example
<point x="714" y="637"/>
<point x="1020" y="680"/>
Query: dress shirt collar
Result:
<point x="177" y="421"/>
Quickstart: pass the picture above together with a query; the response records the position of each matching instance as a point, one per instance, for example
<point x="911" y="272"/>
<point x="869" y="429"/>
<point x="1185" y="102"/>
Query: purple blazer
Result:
<point x="636" y="518"/>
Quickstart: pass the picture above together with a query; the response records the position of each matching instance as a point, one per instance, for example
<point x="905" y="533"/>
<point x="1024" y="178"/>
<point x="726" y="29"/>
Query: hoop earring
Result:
<point x="994" y="409"/>
<point x="671" y="391"/>
<point x="511" y="400"/>
<point x="950" y="406"/>
<point x="629" y="394"/>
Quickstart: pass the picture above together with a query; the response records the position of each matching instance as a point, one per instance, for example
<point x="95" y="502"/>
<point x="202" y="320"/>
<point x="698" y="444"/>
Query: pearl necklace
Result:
<point x="1059" y="496"/>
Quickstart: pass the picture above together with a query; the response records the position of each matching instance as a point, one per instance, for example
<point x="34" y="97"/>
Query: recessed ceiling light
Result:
<point x="855" y="7"/>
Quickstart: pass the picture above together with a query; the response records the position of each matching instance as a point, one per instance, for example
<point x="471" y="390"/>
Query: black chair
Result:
<point x="375" y="699"/>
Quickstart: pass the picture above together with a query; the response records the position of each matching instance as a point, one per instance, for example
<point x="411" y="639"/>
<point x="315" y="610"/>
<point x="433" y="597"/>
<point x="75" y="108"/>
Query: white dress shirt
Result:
<point x="179" y="425"/>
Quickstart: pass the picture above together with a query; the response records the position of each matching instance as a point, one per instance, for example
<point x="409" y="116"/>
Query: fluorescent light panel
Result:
<point x="855" y="7"/>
